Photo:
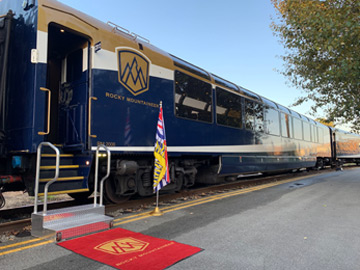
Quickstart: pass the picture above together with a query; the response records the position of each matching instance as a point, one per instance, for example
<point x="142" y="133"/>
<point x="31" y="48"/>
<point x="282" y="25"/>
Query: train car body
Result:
<point x="346" y="147"/>
<point x="78" y="83"/>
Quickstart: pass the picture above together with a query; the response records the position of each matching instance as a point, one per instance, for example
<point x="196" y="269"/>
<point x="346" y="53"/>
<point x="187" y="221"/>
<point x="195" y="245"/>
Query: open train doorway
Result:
<point x="68" y="82"/>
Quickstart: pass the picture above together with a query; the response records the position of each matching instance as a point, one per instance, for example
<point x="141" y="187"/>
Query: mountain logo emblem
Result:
<point x="122" y="246"/>
<point x="133" y="71"/>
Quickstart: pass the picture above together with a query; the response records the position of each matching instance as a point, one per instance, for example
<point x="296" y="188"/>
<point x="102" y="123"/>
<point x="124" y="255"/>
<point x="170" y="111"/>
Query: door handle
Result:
<point x="48" y="112"/>
<point x="89" y="118"/>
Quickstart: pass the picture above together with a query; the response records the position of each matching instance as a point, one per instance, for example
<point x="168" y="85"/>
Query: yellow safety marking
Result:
<point x="20" y="243"/>
<point x="165" y="209"/>
<point x="26" y="242"/>
<point x="63" y="178"/>
<point x="60" y="167"/>
<point x="27" y="247"/>
<point x="65" y="191"/>
<point x="212" y="198"/>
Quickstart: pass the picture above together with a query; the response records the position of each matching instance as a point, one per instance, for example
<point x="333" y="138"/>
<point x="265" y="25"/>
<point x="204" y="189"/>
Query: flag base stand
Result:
<point x="157" y="212"/>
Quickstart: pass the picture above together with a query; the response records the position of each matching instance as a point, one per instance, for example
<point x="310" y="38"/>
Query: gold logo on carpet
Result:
<point x="122" y="246"/>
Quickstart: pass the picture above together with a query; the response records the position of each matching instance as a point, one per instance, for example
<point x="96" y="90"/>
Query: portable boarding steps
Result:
<point x="72" y="221"/>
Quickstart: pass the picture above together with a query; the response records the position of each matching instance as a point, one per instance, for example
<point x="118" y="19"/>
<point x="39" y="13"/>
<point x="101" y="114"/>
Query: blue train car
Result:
<point x="77" y="82"/>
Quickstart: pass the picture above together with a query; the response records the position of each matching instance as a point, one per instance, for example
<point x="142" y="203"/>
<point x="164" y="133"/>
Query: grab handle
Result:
<point x="89" y="123"/>
<point x="48" y="112"/>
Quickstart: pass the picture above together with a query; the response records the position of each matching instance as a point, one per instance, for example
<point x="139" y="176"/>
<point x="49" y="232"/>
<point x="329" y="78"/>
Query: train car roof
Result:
<point x="166" y="58"/>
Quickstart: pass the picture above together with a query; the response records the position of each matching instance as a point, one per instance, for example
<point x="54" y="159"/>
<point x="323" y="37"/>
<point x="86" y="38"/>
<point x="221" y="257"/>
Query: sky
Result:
<point x="229" y="38"/>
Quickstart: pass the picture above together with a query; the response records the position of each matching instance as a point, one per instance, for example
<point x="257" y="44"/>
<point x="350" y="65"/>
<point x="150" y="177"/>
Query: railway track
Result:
<point x="19" y="219"/>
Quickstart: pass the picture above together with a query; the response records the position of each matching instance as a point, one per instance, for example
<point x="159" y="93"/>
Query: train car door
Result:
<point x="68" y="81"/>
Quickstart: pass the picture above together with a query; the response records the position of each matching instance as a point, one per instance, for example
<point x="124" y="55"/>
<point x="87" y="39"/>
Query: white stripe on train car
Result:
<point x="195" y="149"/>
<point x="42" y="46"/>
<point x="107" y="60"/>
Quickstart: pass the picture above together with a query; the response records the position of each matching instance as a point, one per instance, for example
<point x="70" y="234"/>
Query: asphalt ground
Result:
<point x="308" y="223"/>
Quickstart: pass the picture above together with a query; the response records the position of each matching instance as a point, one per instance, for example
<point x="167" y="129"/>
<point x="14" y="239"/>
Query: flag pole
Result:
<point x="157" y="212"/>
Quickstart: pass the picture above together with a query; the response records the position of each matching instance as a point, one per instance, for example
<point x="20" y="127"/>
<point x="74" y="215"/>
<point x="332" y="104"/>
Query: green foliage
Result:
<point x="322" y="41"/>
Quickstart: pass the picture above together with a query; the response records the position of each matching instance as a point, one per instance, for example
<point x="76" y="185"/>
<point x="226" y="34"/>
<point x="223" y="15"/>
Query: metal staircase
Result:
<point x="72" y="221"/>
<point x="73" y="172"/>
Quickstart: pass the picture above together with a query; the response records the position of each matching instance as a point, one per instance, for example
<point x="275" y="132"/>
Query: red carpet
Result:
<point x="128" y="250"/>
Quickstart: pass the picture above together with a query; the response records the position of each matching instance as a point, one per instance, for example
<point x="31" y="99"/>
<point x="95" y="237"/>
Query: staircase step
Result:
<point x="71" y="178"/>
<point x="62" y="173"/>
<point x="66" y="191"/>
<point x="61" y="167"/>
<point x="61" y="187"/>
<point x="70" y="222"/>
<point x="54" y="156"/>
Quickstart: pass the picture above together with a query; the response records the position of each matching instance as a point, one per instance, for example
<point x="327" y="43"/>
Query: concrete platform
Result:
<point x="307" y="224"/>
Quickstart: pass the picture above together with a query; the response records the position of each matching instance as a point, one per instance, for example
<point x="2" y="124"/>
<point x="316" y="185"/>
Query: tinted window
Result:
<point x="249" y="114"/>
<point x="259" y="117"/>
<point x="307" y="132"/>
<point x="298" y="129"/>
<point x="225" y="83"/>
<point x="286" y="125"/>
<point x="190" y="67"/>
<point x="228" y="109"/>
<point x="272" y="121"/>
<point x="193" y="98"/>
<point x="321" y="135"/>
<point x="314" y="135"/>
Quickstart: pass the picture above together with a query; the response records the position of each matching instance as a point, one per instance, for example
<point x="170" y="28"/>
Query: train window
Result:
<point x="193" y="98"/>
<point x="225" y="83"/>
<point x="190" y="67"/>
<point x="249" y="114"/>
<point x="321" y="135"/>
<point x="259" y="117"/>
<point x="272" y="121"/>
<point x="298" y="134"/>
<point x="228" y="108"/>
<point x="307" y="131"/>
<point x="314" y="135"/>
<point x="286" y="125"/>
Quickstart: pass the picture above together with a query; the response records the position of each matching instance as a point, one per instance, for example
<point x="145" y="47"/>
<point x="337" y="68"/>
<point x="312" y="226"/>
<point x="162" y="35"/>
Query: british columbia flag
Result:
<point x="161" y="170"/>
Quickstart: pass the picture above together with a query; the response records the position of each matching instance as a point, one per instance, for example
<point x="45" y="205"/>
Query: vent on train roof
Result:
<point x="127" y="32"/>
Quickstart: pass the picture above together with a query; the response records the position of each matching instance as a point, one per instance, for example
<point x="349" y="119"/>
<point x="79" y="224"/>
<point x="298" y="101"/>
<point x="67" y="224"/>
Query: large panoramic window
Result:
<point x="259" y="117"/>
<point x="272" y="121"/>
<point x="307" y="131"/>
<point x="228" y="108"/>
<point x="193" y="98"/>
<point x="249" y="114"/>
<point x="286" y="125"/>
<point x="298" y="134"/>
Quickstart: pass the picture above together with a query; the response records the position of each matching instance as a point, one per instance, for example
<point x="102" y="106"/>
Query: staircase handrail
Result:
<point x="37" y="177"/>
<point x="97" y="173"/>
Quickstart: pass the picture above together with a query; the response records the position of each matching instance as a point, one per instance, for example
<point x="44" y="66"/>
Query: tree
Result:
<point x="322" y="42"/>
<point x="325" y="122"/>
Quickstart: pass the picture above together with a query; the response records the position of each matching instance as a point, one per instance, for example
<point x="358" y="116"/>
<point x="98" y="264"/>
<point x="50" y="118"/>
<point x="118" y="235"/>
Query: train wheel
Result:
<point x="110" y="193"/>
